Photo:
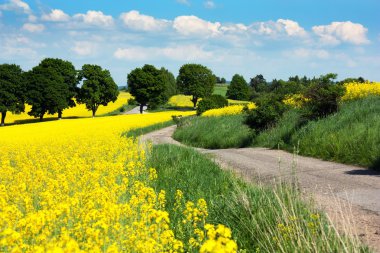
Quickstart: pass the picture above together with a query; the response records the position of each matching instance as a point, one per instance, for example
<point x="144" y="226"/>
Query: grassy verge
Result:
<point x="140" y="131"/>
<point x="220" y="89"/>
<point x="214" y="132"/>
<point x="350" y="136"/>
<point x="261" y="219"/>
<point x="119" y="111"/>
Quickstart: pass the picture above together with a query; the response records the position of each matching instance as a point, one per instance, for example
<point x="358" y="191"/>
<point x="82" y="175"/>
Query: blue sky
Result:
<point x="276" y="38"/>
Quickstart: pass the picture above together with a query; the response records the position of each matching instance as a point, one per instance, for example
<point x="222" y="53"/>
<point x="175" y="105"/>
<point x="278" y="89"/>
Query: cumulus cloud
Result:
<point x="175" y="52"/>
<point x="308" y="53"/>
<point x="136" y="21"/>
<point x="84" y="48"/>
<point x="56" y="16"/>
<point x="96" y="18"/>
<point x="280" y="27"/>
<point x="338" y="32"/>
<point x="194" y="26"/>
<point x="16" y="5"/>
<point x="33" y="28"/>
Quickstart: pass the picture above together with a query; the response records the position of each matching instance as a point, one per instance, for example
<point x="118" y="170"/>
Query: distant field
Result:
<point x="221" y="89"/>
<point x="78" y="111"/>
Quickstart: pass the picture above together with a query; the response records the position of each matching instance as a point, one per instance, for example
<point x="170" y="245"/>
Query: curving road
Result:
<point x="350" y="195"/>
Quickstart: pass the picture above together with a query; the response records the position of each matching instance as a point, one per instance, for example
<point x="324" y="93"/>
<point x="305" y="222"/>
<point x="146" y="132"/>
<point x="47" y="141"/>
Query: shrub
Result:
<point x="269" y="110"/>
<point x="132" y="101"/>
<point x="322" y="98"/>
<point x="211" y="102"/>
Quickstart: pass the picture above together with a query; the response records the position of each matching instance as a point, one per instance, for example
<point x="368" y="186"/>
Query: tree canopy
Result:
<point x="196" y="80"/>
<point x="150" y="86"/>
<point x="238" y="88"/>
<point x="51" y="87"/>
<point x="12" y="90"/>
<point x="98" y="87"/>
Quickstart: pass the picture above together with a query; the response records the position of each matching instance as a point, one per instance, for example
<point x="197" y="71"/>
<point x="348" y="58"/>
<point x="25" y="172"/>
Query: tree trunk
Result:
<point x="41" y="116"/>
<point x="59" y="114"/>
<point x="3" y="114"/>
<point x="194" y="100"/>
<point x="141" y="108"/>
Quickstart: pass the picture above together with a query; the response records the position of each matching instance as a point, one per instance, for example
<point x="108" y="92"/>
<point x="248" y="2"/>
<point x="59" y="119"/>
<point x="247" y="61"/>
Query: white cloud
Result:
<point x="209" y="4"/>
<point x="84" y="48"/>
<point x="280" y="27"/>
<point x="56" y="16"/>
<point x="136" y="21"/>
<point x="338" y="32"/>
<point x="175" y="52"/>
<point x="33" y="28"/>
<point x="96" y="18"/>
<point x="16" y="5"/>
<point x="308" y="53"/>
<point x="194" y="26"/>
<point x="292" y="28"/>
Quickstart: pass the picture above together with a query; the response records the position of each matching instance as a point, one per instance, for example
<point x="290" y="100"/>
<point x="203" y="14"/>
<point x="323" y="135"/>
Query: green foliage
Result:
<point x="12" y="90"/>
<point x="268" y="112"/>
<point x="322" y="97"/>
<point x="149" y="86"/>
<point x="220" y="89"/>
<point x="214" y="132"/>
<point x="195" y="80"/>
<point x="132" y="101"/>
<point x="211" y="102"/>
<point x="98" y="87"/>
<point x="254" y="213"/>
<point x="238" y="88"/>
<point x="51" y="87"/>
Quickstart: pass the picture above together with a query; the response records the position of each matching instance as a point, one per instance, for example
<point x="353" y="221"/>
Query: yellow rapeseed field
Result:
<point x="185" y="101"/>
<point x="78" y="111"/>
<point x="228" y="110"/>
<point x="361" y="90"/>
<point x="79" y="186"/>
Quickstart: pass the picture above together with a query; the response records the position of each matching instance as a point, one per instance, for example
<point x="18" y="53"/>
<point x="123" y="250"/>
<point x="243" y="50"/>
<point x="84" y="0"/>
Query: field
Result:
<point x="79" y="111"/>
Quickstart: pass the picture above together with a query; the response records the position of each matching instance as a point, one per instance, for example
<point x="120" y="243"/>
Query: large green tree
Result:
<point x="150" y="85"/>
<point x="238" y="88"/>
<point x="196" y="80"/>
<point x="51" y="87"/>
<point x="11" y="90"/>
<point x="98" y="87"/>
<point x="67" y="71"/>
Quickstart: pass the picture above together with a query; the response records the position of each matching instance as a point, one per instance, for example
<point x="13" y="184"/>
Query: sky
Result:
<point x="276" y="38"/>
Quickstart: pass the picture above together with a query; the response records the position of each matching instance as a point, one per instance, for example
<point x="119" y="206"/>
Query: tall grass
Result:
<point x="135" y="132"/>
<point x="262" y="219"/>
<point x="215" y="132"/>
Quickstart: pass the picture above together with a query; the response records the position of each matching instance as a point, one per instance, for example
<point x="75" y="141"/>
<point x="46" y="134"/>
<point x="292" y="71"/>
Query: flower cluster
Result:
<point x="361" y="90"/>
<point x="295" y="100"/>
<point x="228" y="110"/>
<point x="181" y="101"/>
<point x="77" y="186"/>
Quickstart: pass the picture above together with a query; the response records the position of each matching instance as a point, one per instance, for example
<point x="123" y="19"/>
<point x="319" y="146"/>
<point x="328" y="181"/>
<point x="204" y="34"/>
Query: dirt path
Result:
<point x="349" y="195"/>
<point x="136" y="110"/>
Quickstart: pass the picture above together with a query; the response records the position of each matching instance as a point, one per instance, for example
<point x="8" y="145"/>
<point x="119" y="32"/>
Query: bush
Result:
<point x="211" y="102"/>
<point x="132" y="101"/>
<point x="322" y="98"/>
<point x="269" y="110"/>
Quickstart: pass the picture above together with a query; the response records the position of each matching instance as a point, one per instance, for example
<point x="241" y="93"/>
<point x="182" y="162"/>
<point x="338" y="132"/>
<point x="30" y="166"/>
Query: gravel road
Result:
<point x="350" y="195"/>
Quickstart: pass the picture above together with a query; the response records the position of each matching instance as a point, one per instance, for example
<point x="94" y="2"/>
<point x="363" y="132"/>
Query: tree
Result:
<point x="51" y="87"/>
<point x="12" y="92"/>
<point x="67" y="71"/>
<point x="238" y="88"/>
<point x="98" y="87"/>
<point x="149" y="85"/>
<point x="259" y="84"/>
<point x="223" y="80"/>
<point x="170" y="83"/>
<point x="196" y="80"/>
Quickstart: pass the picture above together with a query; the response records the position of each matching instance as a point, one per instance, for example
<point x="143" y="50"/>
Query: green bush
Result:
<point x="211" y="102"/>
<point x="132" y="101"/>
<point x="269" y="110"/>
<point x="322" y="98"/>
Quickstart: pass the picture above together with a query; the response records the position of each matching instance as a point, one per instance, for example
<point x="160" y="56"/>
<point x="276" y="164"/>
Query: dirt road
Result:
<point x="349" y="195"/>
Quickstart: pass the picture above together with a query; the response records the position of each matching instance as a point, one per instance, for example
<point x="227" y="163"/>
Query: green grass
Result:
<point x="144" y="130"/>
<point x="118" y="111"/>
<point x="220" y="89"/>
<point x="261" y="219"/>
<point x="350" y="136"/>
<point x="214" y="132"/>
